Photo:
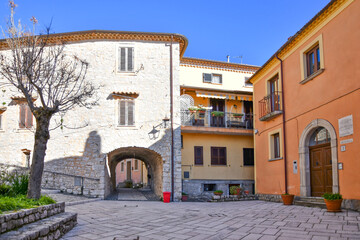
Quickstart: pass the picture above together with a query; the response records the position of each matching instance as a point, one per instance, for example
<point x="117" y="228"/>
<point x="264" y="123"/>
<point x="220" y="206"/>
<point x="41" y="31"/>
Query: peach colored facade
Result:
<point x="138" y="174"/>
<point x="328" y="98"/>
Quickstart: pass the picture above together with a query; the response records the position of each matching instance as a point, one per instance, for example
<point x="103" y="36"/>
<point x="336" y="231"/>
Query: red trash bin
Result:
<point x="166" y="197"/>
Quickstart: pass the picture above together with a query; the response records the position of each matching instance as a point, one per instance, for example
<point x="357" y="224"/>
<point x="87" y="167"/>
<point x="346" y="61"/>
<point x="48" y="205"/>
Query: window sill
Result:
<point x="213" y="83"/>
<point x="126" y="127"/>
<point x="126" y="73"/>
<point x="312" y="76"/>
<point x="25" y="129"/>
<point x="275" y="159"/>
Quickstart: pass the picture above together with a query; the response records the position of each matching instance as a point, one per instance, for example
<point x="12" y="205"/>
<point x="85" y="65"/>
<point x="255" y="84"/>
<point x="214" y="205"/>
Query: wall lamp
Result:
<point x="154" y="133"/>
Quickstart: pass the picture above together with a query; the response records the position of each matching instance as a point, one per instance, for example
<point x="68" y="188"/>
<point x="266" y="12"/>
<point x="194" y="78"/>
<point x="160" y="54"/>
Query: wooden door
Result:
<point x="128" y="170"/>
<point x="320" y="169"/>
<point x="217" y="105"/>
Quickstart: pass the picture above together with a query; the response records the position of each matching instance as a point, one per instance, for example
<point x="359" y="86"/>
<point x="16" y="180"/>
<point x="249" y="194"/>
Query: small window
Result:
<point x="122" y="166"/>
<point x="186" y="174"/>
<point x="26" y="117"/>
<point x="212" y="78"/>
<point x="126" y="59"/>
<point x="198" y="155"/>
<point x="218" y="155"/>
<point x="209" y="187"/>
<point x="276" y="145"/>
<point x="126" y="112"/>
<point x="313" y="60"/>
<point x="136" y="164"/>
<point x="248" y="154"/>
<point x="77" y="181"/>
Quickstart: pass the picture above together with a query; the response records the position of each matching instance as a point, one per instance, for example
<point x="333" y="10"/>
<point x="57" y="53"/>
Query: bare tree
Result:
<point x="40" y="69"/>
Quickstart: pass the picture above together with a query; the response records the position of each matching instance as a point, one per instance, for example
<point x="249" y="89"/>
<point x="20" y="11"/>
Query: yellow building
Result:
<point x="216" y="126"/>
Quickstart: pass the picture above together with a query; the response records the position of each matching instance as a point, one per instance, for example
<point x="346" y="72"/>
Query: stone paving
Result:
<point x="194" y="220"/>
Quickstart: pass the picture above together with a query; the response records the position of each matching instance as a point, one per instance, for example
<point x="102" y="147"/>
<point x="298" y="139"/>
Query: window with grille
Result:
<point x="26" y="117"/>
<point x="218" y="155"/>
<point x="136" y="164"/>
<point x="276" y="145"/>
<point x="126" y="112"/>
<point x="126" y="59"/>
<point x="198" y="155"/>
<point x="248" y="154"/>
<point x="212" y="78"/>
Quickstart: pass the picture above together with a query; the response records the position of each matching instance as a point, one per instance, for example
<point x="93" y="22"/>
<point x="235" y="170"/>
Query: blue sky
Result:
<point x="254" y="29"/>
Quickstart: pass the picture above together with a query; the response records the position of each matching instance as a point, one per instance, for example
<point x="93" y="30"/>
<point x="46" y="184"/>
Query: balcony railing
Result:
<point x="270" y="106"/>
<point x="209" y="118"/>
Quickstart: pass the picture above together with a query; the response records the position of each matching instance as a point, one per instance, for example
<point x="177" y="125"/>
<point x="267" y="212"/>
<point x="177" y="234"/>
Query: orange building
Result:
<point x="307" y="132"/>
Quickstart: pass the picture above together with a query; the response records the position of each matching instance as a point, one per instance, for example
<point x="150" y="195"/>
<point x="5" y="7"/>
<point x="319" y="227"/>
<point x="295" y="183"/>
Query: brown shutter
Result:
<point x="130" y="59"/>
<point x="222" y="156"/>
<point x="29" y="117"/>
<point x="122" y="113"/>
<point x="198" y="155"/>
<point x="214" y="156"/>
<point x="22" y="116"/>
<point x="131" y="112"/>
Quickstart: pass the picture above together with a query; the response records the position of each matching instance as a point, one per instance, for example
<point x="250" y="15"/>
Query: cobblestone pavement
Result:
<point x="69" y="199"/>
<point x="129" y="194"/>
<point x="194" y="220"/>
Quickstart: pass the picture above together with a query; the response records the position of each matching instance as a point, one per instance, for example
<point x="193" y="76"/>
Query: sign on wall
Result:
<point x="346" y="126"/>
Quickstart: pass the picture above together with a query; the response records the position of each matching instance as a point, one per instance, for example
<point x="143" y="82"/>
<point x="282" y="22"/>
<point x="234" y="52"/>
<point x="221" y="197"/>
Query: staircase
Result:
<point x="310" y="202"/>
<point x="44" y="222"/>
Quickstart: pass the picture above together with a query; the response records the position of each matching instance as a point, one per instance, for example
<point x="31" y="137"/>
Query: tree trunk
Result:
<point x="42" y="136"/>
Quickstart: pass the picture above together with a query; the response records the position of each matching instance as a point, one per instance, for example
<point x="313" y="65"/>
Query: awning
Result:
<point x="124" y="95"/>
<point x="229" y="96"/>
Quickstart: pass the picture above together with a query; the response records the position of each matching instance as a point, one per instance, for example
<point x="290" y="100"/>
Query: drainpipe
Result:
<point x="172" y="118"/>
<point x="283" y="119"/>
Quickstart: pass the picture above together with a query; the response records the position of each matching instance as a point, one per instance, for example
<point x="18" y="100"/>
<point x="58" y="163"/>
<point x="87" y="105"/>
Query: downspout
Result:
<point x="172" y="118"/>
<point x="283" y="119"/>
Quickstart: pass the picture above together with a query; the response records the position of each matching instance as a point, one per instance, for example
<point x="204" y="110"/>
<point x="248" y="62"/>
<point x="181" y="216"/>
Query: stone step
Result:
<point x="310" y="199"/>
<point x="310" y="204"/>
<point x="53" y="227"/>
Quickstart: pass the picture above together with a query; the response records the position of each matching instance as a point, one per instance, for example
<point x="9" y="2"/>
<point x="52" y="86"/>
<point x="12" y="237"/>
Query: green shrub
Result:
<point x="233" y="190"/>
<point x="8" y="203"/>
<point x="19" y="184"/>
<point x="332" y="196"/>
<point x="218" y="192"/>
<point x="128" y="184"/>
<point x="5" y="190"/>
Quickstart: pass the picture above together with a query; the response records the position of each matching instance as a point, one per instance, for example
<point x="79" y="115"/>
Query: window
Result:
<point x="218" y="155"/>
<point x="276" y="145"/>
<point x="209" y="187"/>
<point x="313" y="60"/>
<point x="248" y="84"/>
<point x="126" y="112"/>
<point x="274" y="94"/>
<point x="186" y="174"/>
<point x="182" y="141"/>
<point x="122" y="166"/>
<point x="126" y="59"/>
<point x="77" y="181"/>
<point x="136" y="164"/>
<point x="198" y="153"/>
<point x="26" y="117"/>
<point x="212" y="78"/>
<point x="248" y="154"/>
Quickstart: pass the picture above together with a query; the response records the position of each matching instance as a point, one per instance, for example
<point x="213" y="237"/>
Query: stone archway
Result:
<point x="304" y="158"/>
<point x="149" y="157"/>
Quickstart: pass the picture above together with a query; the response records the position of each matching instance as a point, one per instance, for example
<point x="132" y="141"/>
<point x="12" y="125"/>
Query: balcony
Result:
<point x="270" y="106"/>
<point x="209" y="121"/>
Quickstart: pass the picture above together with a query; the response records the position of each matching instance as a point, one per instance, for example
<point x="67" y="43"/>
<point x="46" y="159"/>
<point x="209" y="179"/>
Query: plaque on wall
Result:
<point x="346" y="126"/>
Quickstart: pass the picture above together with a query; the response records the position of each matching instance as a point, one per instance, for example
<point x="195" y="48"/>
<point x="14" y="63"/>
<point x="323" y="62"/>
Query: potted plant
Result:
<point x="193" y="109"/>
<point x="217" y="114"/>
<point x="184" y="197"/>
<point x="333" y="202"/>
<point x="218" y="192"/>
<point x="238" y="115"/>
<point x="235" y="190"/>
<point x="287" y="198"/>
<point x="201" y="110"/>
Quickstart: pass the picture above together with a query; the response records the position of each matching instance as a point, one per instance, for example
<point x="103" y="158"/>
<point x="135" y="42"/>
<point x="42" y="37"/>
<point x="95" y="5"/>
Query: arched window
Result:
<point x="320" y="136"/>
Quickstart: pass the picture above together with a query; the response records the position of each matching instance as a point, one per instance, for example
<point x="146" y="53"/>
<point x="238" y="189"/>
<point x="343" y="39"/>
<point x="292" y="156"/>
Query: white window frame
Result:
<point x="126" y="112"/>
<point x="212" y="78"/>
<point x="118" y="62"/>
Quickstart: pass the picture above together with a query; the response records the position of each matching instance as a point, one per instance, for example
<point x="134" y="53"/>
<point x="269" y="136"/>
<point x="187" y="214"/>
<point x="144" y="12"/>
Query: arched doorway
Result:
<point x="152" y="160"/>
<point x="318" y="159"/>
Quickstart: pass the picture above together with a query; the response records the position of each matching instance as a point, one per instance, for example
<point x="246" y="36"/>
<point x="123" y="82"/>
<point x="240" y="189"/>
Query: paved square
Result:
<point x="228" y="220"/>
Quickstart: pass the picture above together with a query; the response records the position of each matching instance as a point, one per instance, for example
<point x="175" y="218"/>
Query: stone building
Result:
<point x="133" y="72"/>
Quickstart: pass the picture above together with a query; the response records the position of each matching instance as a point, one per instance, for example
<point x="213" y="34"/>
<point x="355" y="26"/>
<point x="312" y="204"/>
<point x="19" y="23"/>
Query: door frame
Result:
<point x="304" y="156"/>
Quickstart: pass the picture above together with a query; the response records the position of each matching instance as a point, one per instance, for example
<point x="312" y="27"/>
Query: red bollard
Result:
<point x="166" y="197"/>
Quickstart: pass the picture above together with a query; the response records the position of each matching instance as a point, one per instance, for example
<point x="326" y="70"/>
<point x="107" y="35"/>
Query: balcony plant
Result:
<point x="238" y="115"/>
<point x="193" y="109"/>
<point x="287" y="198"/>
<point x="201" y="110"/>
<point x="218" y="192"/>
<point x="184" y="197"/>
<point x="217" y="114"/>
<point x="333" y="202"/>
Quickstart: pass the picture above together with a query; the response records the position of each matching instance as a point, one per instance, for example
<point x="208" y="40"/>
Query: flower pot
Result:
<point x="237" y="116"/>
<point x="184" y="198"/>
<point x="247" y="192"/>
<point x="192" y="111"/>
<point x="201" y="111"/>
<point x="218" y="194"/>
<point x="333" y="205"/>
<point x="287" y="199"/>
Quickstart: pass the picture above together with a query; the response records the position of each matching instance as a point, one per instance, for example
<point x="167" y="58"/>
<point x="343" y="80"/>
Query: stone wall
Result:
<point x="80" y="148"/>
<point x="15" y="220"/>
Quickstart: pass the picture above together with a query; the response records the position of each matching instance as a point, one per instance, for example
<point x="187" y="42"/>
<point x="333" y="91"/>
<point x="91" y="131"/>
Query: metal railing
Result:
<point x="209" y="118"/>
<point x="270" y="104"/>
